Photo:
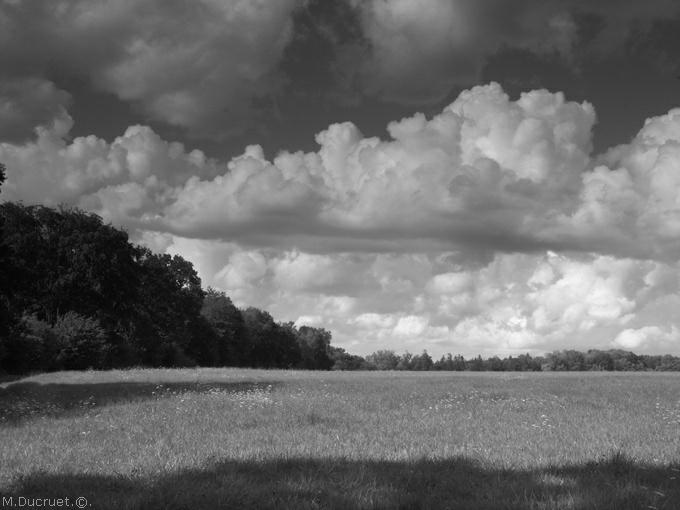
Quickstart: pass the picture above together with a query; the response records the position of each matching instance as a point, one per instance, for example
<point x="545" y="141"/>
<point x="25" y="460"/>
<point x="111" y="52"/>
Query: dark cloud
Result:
<point x="27" y="103"/>
<point x="195" y="65"/>
<point x="420" y="51"/>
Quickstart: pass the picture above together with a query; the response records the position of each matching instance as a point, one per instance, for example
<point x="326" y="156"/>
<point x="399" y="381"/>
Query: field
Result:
<point x="232" y="438"/>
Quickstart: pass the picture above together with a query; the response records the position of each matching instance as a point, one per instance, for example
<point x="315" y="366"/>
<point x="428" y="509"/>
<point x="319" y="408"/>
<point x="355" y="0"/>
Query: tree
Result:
<point x="69" y="260"/>
<point x="527" y="363"/>
<point x="65" y="260"/>
<point x="227" y="322"/>
<point x="567" y="360"/>
<point x="80" y="342"/>
<point x="342" y="360"/>
<point x="444" y="363"/>
<point x="669" y="363"/>
<point x="405" y="362"/>
<point x="422" y="362"/>
<point x="476" y="364"/>
<point x="168" y="318"/>
<point x="271" y="345"/>
<point x="6" y="317"/>
<point x="314" y="344"/>
<point x="383" y="359"/>
<point x="494" y="363"/>
<point x="287" y="346"/>
<point x="598" y="360"/>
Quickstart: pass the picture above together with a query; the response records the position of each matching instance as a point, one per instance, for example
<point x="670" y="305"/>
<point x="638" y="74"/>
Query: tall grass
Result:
<point x="211" y="438"/>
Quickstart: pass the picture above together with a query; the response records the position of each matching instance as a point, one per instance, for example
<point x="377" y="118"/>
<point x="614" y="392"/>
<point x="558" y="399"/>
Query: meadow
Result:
<point x="238" y="438"/>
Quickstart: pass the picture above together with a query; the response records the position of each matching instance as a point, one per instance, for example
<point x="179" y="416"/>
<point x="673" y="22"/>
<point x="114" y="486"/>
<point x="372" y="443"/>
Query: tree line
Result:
<point x="76" y="294"/>
<point x="564" y="360"/>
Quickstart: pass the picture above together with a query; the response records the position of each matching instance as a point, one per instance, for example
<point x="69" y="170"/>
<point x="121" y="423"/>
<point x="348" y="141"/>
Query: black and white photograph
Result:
<point x="340" y="254"/>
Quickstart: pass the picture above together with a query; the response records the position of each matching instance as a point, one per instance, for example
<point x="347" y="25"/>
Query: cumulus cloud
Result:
<point x="127" y="181"/>
<point x="516" y="303"/>
<point x="631" y="202"/>
<point x="486" y="171"/>
<point x="648" y="337"/>
<point x="487" y="228"/>
<point x="197" y="65"/>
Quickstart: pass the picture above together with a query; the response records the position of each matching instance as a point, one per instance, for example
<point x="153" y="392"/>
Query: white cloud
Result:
<point x="128" y="181"/>
<point x="649" y="338"/>
<point x="486" y="171"/>
<point x="488" y="228"/>
<point x="411" y="326"/>
<point x="244" y="269"/>
<point x="303" y="271"/>
<point x="631" y="203"/>
<point x="516" y="303"/>
<point x="374" y="320"/>
<point x="310" y="320"/>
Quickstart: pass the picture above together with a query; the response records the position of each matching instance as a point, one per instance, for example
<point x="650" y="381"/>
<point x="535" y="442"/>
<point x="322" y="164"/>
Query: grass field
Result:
<point x="213" y="438"/>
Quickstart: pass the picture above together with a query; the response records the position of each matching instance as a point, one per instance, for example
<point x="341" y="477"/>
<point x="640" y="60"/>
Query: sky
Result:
<point x="486" y="177"/>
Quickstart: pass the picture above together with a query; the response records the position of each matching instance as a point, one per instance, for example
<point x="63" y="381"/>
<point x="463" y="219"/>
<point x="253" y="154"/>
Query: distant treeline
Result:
<point x="76" y="294"/>
<point x="566" y="360"/>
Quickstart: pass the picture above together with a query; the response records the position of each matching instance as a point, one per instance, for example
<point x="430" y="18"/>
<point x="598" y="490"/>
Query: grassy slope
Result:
<point x="211" y="438"/>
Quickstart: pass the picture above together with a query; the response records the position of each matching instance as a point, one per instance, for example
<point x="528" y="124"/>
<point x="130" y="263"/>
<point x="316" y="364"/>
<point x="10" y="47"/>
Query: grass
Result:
<point x="228" y="438"/>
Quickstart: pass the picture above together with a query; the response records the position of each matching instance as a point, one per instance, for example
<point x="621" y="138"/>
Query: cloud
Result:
<point x="197" y="65"/>
<point x="127" y="181"/>
<point x="215" y="68"/>
<point x="648" y="337"/>
<point x="420" y="49"/>
<point x="26" y="103"/>
<point x="488" y="228"/>
<point x="486" y="175"/>
<point x="417" y="51"/>
<point x="630" y="203"/>
<point x="482" y="173"/>
<point x="517" y="303"/>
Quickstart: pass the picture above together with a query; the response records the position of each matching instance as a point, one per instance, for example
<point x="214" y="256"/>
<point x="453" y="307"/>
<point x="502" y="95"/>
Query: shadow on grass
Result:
<point x="5" y="378"/>
<point x="458" y="483"/>
<point x="20" y="402"/>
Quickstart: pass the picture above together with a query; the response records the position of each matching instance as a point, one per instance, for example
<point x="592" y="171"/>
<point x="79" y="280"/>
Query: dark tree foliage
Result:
<point x="78" y="343"/>
<point x="567" y="360"/>
<point x="314" y="345"/>
<point x="168" y="315"/>
<point x="271" y="344"/>
<point x="6" y="316"/>
<point x="383" y="360"/>
<point x="476" y="364"/>
<point x="423" y="362"/>
<point x="228" y="325"/>
<point x="68" y="260"/>
<point x="342" y="360"/>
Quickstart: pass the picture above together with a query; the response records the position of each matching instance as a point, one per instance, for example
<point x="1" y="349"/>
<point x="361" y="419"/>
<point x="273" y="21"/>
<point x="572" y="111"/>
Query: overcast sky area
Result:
<point x="465" y="176"/>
